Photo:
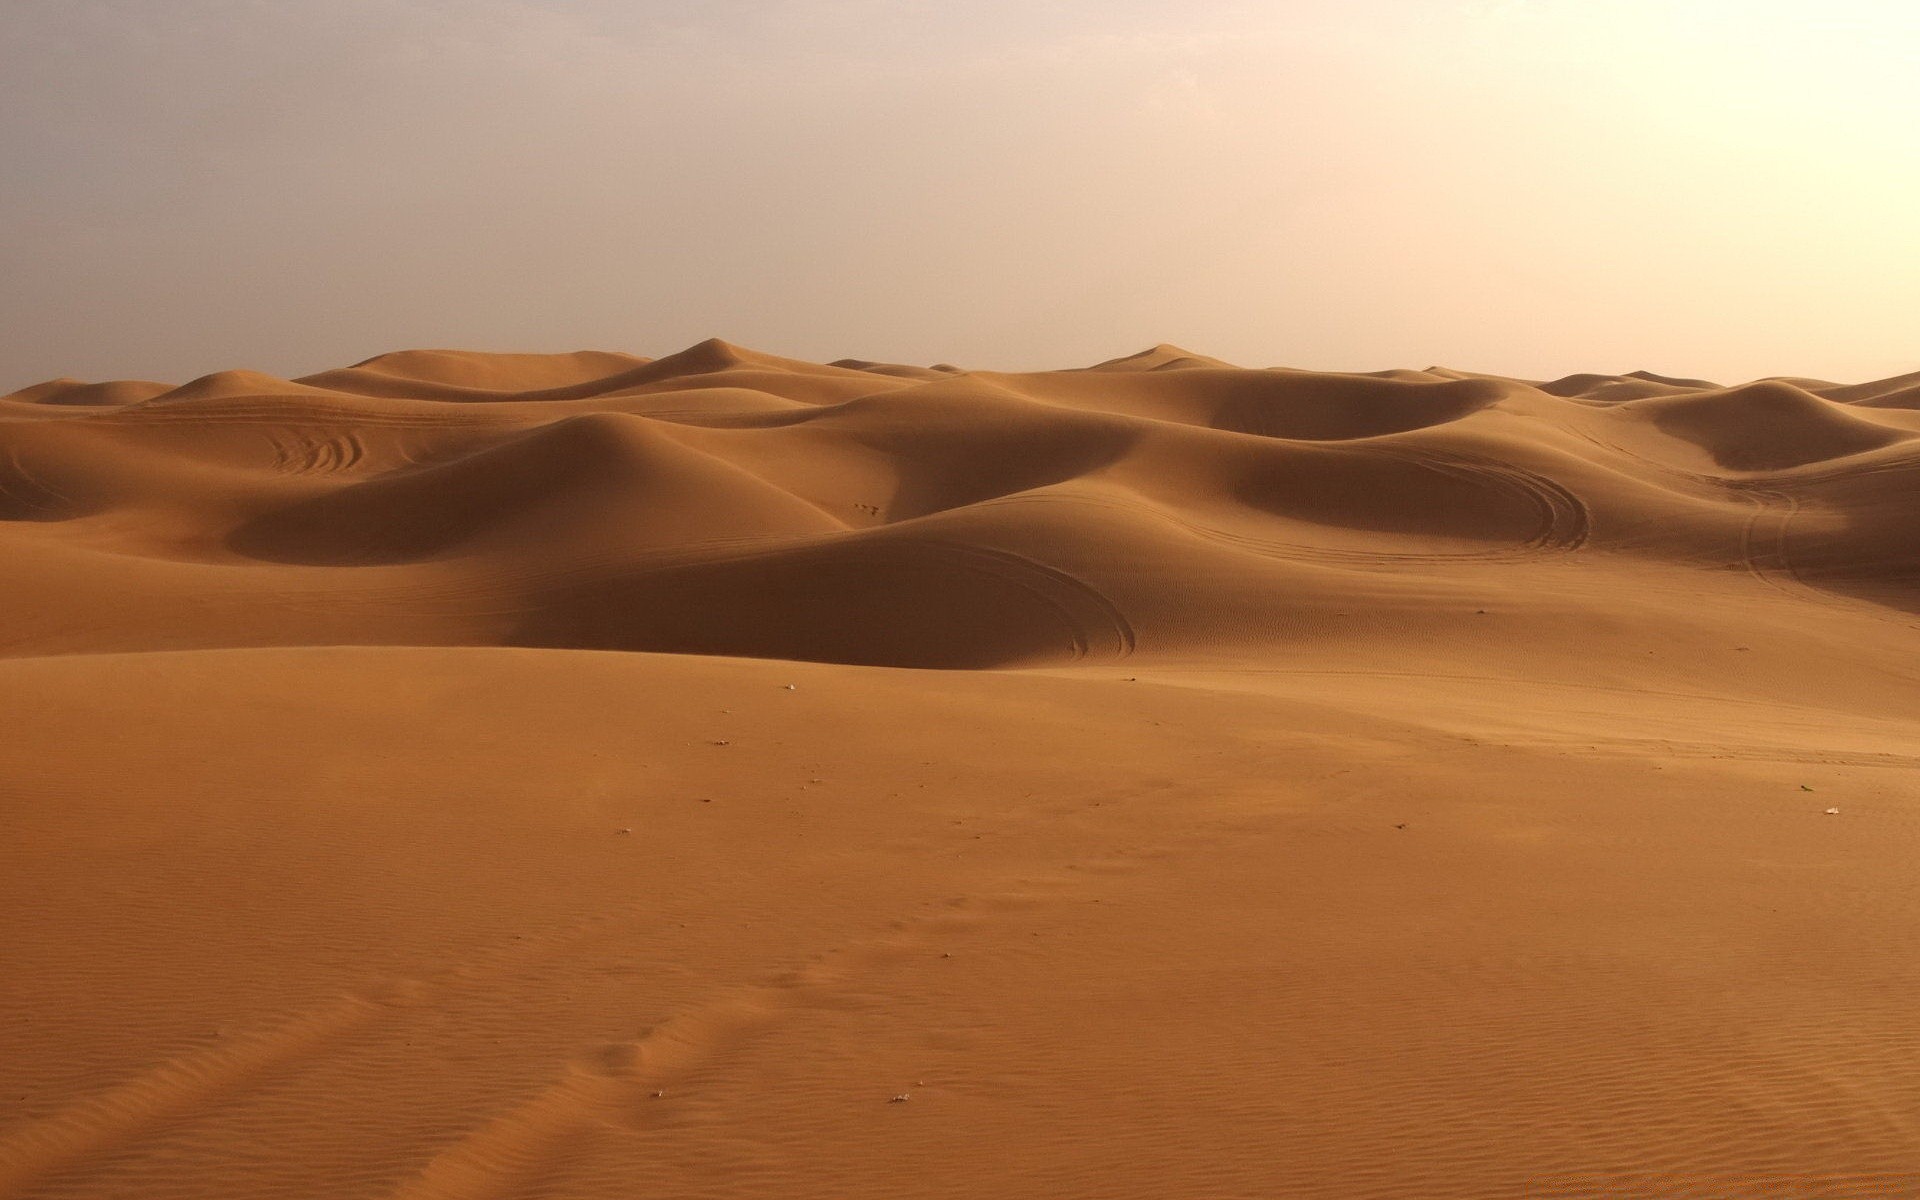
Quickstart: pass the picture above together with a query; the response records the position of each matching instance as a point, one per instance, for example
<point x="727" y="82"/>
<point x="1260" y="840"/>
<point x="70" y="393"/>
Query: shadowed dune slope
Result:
<point x="1767" y="426"/>
<point x="606" y="480"/>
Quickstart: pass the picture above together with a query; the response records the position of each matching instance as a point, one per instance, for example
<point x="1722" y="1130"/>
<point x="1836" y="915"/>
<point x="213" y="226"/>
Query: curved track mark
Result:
<point x="1769" y="565"/>
<point x="297" y="450"/>
<point x="24" y="497"/>
<point x="1565" y="520"/>
<point x="1083" y="608"/>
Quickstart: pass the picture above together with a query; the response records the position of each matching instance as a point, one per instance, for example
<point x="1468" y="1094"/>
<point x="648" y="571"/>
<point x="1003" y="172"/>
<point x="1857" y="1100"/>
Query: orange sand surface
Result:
<point x="466" y="775"/>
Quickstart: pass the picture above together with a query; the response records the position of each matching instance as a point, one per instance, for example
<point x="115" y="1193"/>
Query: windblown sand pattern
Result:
<point x="466" y="775"/>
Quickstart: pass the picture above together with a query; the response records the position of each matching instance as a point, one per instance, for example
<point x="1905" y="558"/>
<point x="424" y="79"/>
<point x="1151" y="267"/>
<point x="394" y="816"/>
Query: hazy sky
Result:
<point x="1728" y="188"/>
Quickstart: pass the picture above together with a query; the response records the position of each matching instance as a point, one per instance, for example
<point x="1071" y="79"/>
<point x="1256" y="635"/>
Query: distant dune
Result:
<point x="483" y="775"/>
<point x="724" y="502"/>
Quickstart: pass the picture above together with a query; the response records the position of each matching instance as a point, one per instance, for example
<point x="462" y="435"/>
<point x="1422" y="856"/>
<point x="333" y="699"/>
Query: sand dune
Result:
<point x="462" y="775"/>
<point x="496" y="493"/>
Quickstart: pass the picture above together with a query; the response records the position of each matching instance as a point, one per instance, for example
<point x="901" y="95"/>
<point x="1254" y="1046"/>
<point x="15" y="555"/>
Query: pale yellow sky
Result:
<point x="1703" y="187"/>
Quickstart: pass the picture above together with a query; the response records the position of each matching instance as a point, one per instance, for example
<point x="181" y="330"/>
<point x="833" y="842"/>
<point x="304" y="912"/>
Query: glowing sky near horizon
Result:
<point x="1724" y="188"/>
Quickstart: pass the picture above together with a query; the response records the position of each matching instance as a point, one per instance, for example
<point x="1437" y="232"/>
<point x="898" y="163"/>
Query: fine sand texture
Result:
<point x="469" y="777"/>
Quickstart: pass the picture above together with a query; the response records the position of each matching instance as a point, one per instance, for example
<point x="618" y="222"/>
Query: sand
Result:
<point x="466" y="775"/>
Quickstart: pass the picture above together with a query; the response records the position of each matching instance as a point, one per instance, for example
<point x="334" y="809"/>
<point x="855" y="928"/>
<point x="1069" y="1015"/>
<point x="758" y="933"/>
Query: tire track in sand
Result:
<point x="1764" y="553"/>
<point x="606" y="1086"/>
<point x="1083" y="609"/>
<point x="297" y="450"/>
<point x="616" y="1084"/>
<point x="129" y="1111"/>
<point x="1562" y="521"/>
<point x="622" y="1085"/>
<point x="23" y="497"/>
<point x="1565" y="521"/>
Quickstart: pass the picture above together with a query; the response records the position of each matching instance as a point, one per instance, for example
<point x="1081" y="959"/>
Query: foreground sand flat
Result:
<point x="586" y="776"/>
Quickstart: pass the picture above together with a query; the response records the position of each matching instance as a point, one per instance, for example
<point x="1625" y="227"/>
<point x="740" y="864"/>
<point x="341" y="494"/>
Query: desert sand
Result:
<point x="464" y="776"/>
